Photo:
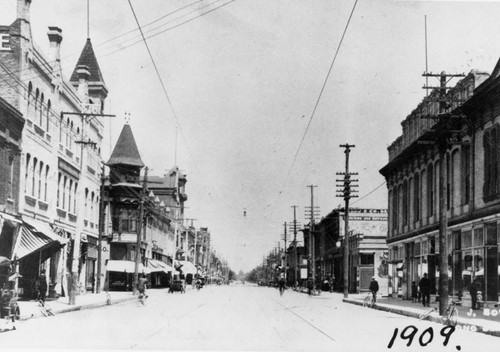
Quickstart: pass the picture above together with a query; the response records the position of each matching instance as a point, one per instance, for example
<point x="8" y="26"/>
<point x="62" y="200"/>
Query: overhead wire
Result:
<point x="319" y="98"/>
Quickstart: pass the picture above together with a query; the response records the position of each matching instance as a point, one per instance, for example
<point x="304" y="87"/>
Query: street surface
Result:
<point x="238" y="318"/>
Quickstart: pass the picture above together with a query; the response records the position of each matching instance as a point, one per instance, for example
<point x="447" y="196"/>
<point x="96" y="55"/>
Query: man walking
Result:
<point x="425" y="289"/>
<point x="374" y="288"/>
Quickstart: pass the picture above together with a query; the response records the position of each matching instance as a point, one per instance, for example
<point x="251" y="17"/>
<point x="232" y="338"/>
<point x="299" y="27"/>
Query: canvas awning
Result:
<point x="187" y="267"/>
<point x="158" y="266"/>
<point x="125" y="266"/>
<point x="36" y="236"/>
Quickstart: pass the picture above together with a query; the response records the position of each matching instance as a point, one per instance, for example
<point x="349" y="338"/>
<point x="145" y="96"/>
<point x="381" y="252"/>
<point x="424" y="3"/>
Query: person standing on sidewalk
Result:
<point x="425" y="289"/>
<point x="414" y="292"/>
<point x="374" y="288"/>
<point x="42" y="288"/>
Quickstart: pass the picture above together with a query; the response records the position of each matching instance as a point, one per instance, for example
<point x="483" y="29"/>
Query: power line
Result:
<point x="319" y="96"/>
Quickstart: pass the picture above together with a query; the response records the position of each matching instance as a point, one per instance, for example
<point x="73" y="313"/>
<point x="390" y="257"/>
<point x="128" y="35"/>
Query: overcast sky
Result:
<point x="243" y="81"/>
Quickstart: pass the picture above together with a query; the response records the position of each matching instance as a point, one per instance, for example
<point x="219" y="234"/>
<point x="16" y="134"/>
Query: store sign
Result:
<point x="5" y="42"/>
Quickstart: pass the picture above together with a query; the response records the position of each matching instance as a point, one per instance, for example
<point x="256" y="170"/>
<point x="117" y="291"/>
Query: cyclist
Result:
<point x="374" y="289"/>
<point x="281" y="284"/>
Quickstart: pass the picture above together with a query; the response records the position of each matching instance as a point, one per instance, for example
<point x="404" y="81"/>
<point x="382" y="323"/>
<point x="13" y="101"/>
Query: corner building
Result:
<point x="58" y="177"/>
<point x="473" y="196"/>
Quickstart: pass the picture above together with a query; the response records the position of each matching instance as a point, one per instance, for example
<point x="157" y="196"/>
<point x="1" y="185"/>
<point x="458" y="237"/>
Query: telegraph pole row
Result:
<point x="347" y="195"/>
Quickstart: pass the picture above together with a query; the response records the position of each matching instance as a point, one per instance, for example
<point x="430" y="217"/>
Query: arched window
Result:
<point x="86" y="213"/>
<point x="67" y="133"/>
<point x="59" y="185"/>
<point x="71" y="136"/>
<point x="92" y="207"/>
<point x="61" y="125"/>
<point x="49" y="106"/>
<point x="10" y="185"/>
<point x="41" y="110"/>
<point x="65" y="184"/>
<point x="430" y="191"/>
<point x="40" y="170"/>
<point x="26" y="174"/>
<point x="33" y="174"/>
<point x="74" y="198"/>
<point x="30" y="98"/>
<point x="46" y="183"/>
<point x="70" y="193"/>
<point x="35" y="104"/>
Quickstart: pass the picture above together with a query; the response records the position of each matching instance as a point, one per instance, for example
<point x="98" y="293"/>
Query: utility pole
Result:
<point x="311" y="237"/>
<point x="347" y="195"/>
<point x="295" y="260"/>
<point x="284" y="256"/>
<point x="139" y="231"/>
<point x="444" y="141"/>
<point x="101" y="231"/>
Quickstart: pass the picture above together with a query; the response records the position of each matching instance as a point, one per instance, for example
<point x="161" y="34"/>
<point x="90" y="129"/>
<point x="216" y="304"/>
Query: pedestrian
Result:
<point x="473" y="295"/>
<point x="310" y="286"/>
<point x="141" y="286"/>
<point x="414" y="292"/>
<point x="425" y="289"/>
<point x="42" y="288"/>
<point x="374" y="288"/>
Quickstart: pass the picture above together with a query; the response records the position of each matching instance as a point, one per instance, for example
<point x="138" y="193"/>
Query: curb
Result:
<point x="464" y="324"/>
<point x="80" y="307"/>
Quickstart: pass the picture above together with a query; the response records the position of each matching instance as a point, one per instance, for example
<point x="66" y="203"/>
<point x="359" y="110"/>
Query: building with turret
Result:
<point x="58" y="178"/>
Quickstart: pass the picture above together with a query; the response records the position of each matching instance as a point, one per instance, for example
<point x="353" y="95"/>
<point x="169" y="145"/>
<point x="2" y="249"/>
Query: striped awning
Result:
<point x="35" y="236"/>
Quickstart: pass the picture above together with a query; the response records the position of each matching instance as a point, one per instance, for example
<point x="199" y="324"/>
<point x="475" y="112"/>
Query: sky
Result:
<point x="245" y="78"/>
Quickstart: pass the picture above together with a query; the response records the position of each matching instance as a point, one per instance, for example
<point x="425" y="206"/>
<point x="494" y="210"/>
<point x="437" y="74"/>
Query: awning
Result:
<point x="45" y="229"/>
<point x="125" y="266"/>
<point x="158" y="266"/>
<point x="187" y="267"/>
<point x="32" y="241"/>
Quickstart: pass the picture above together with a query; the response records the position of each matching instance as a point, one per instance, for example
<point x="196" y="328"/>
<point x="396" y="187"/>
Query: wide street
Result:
<point x="237" y="317"/>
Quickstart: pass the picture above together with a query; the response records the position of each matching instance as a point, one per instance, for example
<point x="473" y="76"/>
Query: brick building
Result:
<point x="473" y="197"/>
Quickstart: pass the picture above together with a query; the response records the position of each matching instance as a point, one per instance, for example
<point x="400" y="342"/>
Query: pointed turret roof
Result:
<point x="88" y="58"/>
<point x="125" y="152"/>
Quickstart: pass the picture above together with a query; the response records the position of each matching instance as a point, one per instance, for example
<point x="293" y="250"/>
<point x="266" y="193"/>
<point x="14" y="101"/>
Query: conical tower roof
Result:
<point x="88" y="58"/>
<point x="125" y="152"/>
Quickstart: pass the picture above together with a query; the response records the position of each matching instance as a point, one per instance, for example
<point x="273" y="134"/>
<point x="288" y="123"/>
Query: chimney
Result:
<point x="83" y="73"/>
<point x="23" y="9"/>
<point x="55" y="39"/>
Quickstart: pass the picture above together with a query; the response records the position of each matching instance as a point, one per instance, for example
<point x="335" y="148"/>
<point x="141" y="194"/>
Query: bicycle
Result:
<point x="369" y="301"/>
<point x="450" y="316"/>
<point x="45" y="309"/>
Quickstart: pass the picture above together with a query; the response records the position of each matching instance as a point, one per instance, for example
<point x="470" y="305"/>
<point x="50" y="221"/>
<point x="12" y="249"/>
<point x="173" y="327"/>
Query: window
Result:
<point x="465" y="174"/>
<point x="46" y="182"/>
<point x="41" y="110"/>
<point x="430" y="191"/>
<point x="59" y="185"/>
<point x="33" y="183"/>
<point x="69" y="195"/>
<point x="49" y="106"/>
<point x="40" y="180"/>
<point x="366" y="259"/>
<point x="416" y="197"/>
<point x="74" y="198"/>
<point x="491" y="182"/>
<point x="65" y="184"/>
<point x="405" y="203"/>
<point x="10" y="185"/>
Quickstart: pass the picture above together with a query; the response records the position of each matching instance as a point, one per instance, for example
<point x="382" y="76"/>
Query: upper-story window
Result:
<point x="430" y="191"/>
<point x="491" y="173"/>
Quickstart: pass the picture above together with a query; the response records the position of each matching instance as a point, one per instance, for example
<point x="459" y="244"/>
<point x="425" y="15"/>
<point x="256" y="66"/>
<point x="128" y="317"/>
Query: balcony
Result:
<point x="30" y="201"/>
<point x="39" y="131"/>
<point x="72" y="217"/>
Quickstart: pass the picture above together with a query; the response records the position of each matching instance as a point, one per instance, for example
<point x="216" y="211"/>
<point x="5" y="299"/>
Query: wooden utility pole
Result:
<point x="311" y="253"/>
<point x="443" y="141"/>
<point x="101" y="232"/>
<point x="295" y="260"/>
<point x="139" y="231"/>
<point x="347" y="195"/>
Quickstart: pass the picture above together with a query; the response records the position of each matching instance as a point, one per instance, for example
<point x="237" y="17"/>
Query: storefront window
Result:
<point x="478" y="237"/>
<point x="466" y="239"/>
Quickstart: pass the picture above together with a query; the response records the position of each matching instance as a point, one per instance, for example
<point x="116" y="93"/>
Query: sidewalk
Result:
<point x="482" y="320"/>
<point x="31" y="309"/>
